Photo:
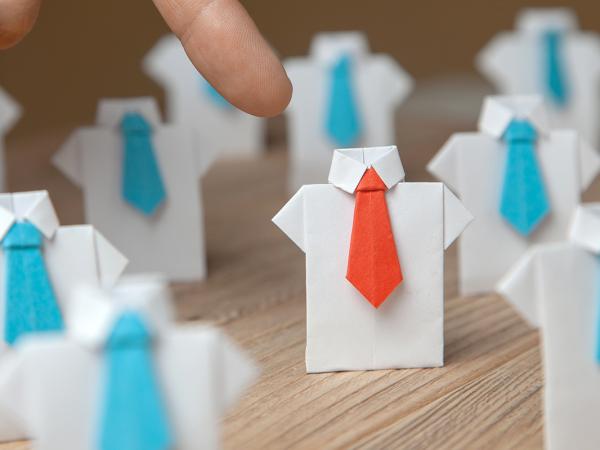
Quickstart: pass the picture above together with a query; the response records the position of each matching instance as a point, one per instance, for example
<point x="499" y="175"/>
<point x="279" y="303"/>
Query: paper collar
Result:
<point x="91" y="312"/>
<point x="35" y="207"/>
<point x="498" y="111"/>
<point x="111" y="110"/>
<point x="539" y="20"/>
<point x="349" y="165"/>
<point x="327" y="48"/>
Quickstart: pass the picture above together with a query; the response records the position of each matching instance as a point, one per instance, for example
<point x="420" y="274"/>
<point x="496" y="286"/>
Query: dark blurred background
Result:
<point x="82" y="50"/>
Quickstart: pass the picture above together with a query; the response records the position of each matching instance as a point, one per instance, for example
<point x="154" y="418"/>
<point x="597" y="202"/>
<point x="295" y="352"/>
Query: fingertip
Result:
<point x="272" y="100"/>
<point x="226" y="47"/>
<point x="17" y="18"/>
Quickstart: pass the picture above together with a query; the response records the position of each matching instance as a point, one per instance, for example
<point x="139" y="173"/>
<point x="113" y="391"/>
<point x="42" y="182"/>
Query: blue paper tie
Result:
<point x="133" y="415"/>
<point x="343" y="124"/>
<point x="30" y="302"/>
<point x="555" y="70"/>
<point x="524" y="202"/>
<point x="143" y="186"/>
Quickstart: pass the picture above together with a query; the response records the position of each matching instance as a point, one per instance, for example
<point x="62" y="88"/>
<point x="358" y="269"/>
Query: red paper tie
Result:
<point x="373" y="265"/>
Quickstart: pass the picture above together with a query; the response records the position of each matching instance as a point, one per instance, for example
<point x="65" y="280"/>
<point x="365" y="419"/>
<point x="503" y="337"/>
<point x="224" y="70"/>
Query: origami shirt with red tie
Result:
<point x="344" y="330"/>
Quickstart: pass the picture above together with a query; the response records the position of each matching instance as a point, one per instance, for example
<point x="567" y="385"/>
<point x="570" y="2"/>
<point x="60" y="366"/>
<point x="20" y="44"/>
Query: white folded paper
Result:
<point x="473" y="165"/>
<point x="51" y="385"/>
<point x="344" y="331"/>
<point x="191" y="101"/>
<point x="557" y="287"/>
<point x="172" y="240"/>
<point x="10" y="112"/>
<point x="72" y="254"/>
<point x="514" y="62"/>
<point x="379" y="85"/>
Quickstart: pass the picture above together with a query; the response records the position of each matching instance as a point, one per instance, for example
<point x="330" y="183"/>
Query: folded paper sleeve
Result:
<point x="161" y="60"/>
<point x="238" y="372"/>
<point x="290" y="219"/>
<point x="111" y="262"/>
<point x="496" y="57"/>
<point x="444" y="165"/>
<point x="456" y="217"/>
<point x="395" y="80"/>
<point x="68" y="158"/>
<point x="520" y="287"/>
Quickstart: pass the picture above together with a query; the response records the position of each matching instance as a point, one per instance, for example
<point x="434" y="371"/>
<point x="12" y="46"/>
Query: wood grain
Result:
<point x="487" y="396"/>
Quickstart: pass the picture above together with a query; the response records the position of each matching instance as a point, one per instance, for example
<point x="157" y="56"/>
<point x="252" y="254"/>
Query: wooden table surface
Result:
<point x="488" y="395"/>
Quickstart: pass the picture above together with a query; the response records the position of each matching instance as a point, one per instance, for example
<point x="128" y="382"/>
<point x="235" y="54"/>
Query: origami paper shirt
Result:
<point x="10" y="112"/>
<point x="378" y="84"/>
<point x="517" y="62"/>
<point x="191" y="101"/>
<point x="172" y="240"/>
<point x="344" y="331"/>
<point x="72" y="254"/>
<point x="473" y="165"/>
<point x="557" y="287"/>
<point x="52" y="386"/>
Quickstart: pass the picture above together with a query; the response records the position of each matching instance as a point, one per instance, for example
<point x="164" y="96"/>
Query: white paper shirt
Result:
<point x="557" y="287"/>
<point x="72" y="254"/>
<point x="52" y="385"/>
<point x="10" y="112"/>
<point x="473" y="165"/>
<point x="344" y="331"/>
<point x="172" y="240"/>
<point x="514" y="62"/>
<point x="380" y="85"/>
<point x="227" y="129"/>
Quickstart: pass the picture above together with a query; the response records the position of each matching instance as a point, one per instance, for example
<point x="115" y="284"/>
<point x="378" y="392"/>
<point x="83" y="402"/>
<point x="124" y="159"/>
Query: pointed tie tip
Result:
<point x="375" y="295"/>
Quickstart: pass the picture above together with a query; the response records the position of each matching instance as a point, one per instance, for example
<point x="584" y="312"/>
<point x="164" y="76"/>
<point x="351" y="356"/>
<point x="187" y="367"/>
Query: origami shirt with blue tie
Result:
<point x="556" y="287"/>
<point x="171" y="239"/>
<point x="548" y="55"/>
<point x="71" y="254"/>
<point x="56" y="390"/>
<point x="474" y="166"/>
<point x="339" y="70"/>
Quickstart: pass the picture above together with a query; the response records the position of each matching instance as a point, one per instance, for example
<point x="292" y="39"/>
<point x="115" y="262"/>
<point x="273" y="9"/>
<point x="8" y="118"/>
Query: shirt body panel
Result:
<point x="569" y="280"/>
<point x="172" y="240"/>
<point x="65" y="381"/>
<point x="344" y="331"/>
<point x="481" y="165"/>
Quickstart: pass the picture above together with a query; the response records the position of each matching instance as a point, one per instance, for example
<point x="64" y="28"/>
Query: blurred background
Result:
<point x="82" y="50"/>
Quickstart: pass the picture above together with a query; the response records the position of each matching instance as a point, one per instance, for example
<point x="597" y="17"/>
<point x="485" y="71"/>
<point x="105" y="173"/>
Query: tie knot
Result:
<point x="341" y="68"/>
<point x="520" y="131"/>
<point x="22" y="235"/>
<point x="371" y="182"/>
<point x="552" y="37"/>
<point x="135" y="123"/>
<point x="128" y="332"/>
